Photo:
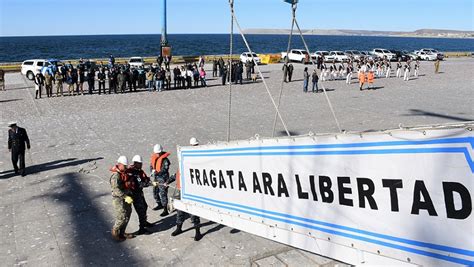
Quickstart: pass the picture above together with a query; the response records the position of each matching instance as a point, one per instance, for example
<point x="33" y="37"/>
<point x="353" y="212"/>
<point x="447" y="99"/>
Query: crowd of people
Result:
<point x="115" y="78"/>
<point x="121" y="78"/>
<point x="367" y="71"/>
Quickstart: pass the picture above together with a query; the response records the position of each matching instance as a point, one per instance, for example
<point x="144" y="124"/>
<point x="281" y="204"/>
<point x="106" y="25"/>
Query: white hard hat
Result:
<point x="157" y="149"/>
<point x="193" y="141"/>
<point x="122" y="160"/>
<point x="137" y="158"/>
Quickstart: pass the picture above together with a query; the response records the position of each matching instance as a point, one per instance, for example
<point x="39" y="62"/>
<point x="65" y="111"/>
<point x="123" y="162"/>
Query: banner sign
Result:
<point x="403" y="196"/>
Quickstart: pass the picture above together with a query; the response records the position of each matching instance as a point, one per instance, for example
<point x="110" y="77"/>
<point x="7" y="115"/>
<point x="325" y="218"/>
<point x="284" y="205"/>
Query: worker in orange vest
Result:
<point x="361" y="79"/>
<point x="122" y="187"/>
<point x="159" y="167"/>
<point x="370" y="79"/>
<point x="181" y="215"/>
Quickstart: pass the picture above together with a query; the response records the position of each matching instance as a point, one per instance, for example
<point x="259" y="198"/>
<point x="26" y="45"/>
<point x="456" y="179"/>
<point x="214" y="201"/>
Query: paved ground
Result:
<point x="60" y="214"/>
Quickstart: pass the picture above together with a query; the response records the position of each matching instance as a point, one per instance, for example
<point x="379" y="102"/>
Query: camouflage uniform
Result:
<point x="181" y="216"/>
<point x="122" y="209"/>
<point x="160" y="193"/>
<point x="139" y="202"/>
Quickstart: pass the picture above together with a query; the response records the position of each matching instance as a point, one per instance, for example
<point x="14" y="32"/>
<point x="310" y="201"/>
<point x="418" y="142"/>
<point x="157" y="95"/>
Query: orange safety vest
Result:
<point x="370" y="77"/>
<point x="157" y="160"/>
<point x="362" y="77"/>
<point x="128" y="182"/>
<point x="178" y="180"/>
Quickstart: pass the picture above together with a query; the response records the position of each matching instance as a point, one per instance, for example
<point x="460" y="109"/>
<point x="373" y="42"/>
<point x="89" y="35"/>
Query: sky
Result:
<point x="82" y="17"/>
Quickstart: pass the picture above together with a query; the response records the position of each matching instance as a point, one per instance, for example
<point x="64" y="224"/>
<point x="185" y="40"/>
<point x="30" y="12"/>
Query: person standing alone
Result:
<point x="305" y="80"/>
<point x="17" y="142"/>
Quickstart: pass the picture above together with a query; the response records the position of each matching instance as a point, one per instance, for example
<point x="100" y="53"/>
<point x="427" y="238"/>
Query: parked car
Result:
<point x="399" y="55"/>
<point x="325" y="55"/>
<point x="354" y="54"/>
<point x="439" y="55"/>
<point x="383" y="53"/>
<point x="427" y="56"/>
<point x="29" y="68"/>
<point x="247" y="56"/>
<point x="51" y="66"/>
<point x="411" y="55"/>
<point x="339" y="56"/>
<point x="298" y="55"/>
<point x="136" y="62"/>
<point x="367" y="55"/>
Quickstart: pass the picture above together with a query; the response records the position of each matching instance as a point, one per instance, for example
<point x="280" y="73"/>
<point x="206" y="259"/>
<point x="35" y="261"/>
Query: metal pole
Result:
<point x="164" y="37"/>
<point x="229" y="72"/>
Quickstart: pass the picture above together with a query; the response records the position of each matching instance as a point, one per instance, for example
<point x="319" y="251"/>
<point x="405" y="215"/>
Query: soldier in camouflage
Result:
<point x="122" y="187"/>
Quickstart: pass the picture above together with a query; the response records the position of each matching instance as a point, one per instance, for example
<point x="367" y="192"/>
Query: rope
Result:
<point x="258" y="68"/>
<point x="286" y="62"/>
<point x="229" y="113"/>
<point x="322" y="85"/>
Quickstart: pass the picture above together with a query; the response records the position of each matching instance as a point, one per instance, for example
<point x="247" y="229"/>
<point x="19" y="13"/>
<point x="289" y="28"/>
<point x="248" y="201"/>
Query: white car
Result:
<point x="354" y="54"/>
<point x="29" y="68"/>
<point x="433" y="51"/>
<point x="339" y="56"/>
<point x="247" y="56"/>
<point x="325" y="55"/>
<point x="136" y="62"/>
<point x="427" y="56"/>
<point x="298" y="55"/>
<point x="384" y="53"/>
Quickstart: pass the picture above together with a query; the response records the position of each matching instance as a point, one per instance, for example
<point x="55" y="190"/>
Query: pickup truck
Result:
<point x="297" y="55"/>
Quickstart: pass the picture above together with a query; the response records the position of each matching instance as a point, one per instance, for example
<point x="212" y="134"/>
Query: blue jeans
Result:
<point x="149" y="85"/>
<point x="203" y="82"/>
<point x="315" y="85"/>
<point x="159" y="85"/>
<point x="305" y="86"/>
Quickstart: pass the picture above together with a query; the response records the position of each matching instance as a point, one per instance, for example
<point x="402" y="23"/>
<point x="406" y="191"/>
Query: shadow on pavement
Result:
<point x="88" y="228"/>
<point x="419" y="112"/>
<point x="10" y="100"/>
<point x="48" y="166"/>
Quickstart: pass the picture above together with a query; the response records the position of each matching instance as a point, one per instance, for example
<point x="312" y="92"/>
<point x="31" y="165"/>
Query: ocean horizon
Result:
<point x="20" y="48"/>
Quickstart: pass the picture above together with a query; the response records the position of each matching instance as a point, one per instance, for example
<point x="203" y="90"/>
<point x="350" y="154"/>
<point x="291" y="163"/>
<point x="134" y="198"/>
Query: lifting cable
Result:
<point x="234" y="19"/>
<point x="229" y="72"/>
<point x="314" y="65"/>
<point x="286" y="62"/>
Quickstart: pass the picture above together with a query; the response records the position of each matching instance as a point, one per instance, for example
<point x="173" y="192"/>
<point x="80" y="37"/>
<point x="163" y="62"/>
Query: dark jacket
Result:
<point x="18" y="139"/>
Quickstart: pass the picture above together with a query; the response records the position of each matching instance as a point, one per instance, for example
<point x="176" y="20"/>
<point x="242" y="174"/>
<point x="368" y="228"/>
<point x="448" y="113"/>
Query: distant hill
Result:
<point x="418" y="33"/>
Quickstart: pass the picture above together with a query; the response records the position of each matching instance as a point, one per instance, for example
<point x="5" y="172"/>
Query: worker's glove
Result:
<point x="128" y="200"/>
<point x="155" y="184"/>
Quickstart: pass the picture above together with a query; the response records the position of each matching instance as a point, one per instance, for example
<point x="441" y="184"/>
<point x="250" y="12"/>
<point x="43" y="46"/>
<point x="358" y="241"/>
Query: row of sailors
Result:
<point x="380" y="68"/>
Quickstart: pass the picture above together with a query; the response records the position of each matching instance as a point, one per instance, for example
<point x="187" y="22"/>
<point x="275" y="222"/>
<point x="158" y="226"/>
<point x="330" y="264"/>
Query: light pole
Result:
<point x="165" y="48"/>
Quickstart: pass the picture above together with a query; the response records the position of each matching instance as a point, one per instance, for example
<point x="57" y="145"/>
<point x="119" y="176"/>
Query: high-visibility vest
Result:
<point x="127" y="181"/>
<point x="370" y="77"/>
<point x="157" y="160"/>
<point x="178" y="180"/>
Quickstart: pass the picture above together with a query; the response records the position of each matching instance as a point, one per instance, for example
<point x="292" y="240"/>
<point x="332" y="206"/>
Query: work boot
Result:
<point x="164" y="213"/>
<point x="148" y="224"/>
<point x="178" y="230"/>
<point x="128" y="236"/>
<point x="158" y="207"/>
<point x="116" y="235"/>
<point x="142" y="231"/>
<point x="197" y="235"/>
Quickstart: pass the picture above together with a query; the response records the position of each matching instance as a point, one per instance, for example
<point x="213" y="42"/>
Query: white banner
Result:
<point x="398" y="197"/>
